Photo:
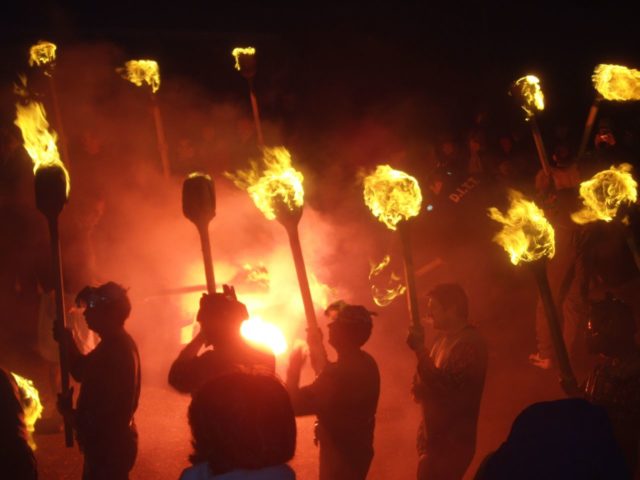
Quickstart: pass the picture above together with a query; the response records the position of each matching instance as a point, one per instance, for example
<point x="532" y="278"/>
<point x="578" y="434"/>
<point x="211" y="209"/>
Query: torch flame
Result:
<point x="603" y="194"/>
<point x="392" y="195"/>
<point x="615" y="82"/>
<point x="265" y="334"/>
<point x="531" y="94"/>
<point x="239" y="51"/>
<point x="31" y="405"/>
<point x="278" y="185"/>
<point x="395" y="288"/>
<point x="42" y="53"/>
<point x="139" y="72"/>
<point x="39" y="139"/>
<point x="526" y="235"/>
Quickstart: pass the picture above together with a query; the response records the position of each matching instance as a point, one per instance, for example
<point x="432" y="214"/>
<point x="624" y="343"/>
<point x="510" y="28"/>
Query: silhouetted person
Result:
<point x="16" y="457"/>
<point x="615" y="383"/>
<point x="110" y="385"/>
<point x="220" y="317"/>
<point x="243" y="428"/>
<point x="566" y="439"/>
<point x="448" y="384"/>
<point x="344" y="396"/>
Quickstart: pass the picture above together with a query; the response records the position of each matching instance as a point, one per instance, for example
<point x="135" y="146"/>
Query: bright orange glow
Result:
<point x="274" y="185"/>
<point x="264" y="334"/>
<point x="38" y="139"/>
<point x="526" y="234"/>
<point x="531" y="94"/>
<point x="615" y="82"/>
<point x="31" y="405"/>
<point x="603" y="194"/>
<point x="240" y="52"/>
<point x="394" y="288"/>
<point x="392" y="195"/>
<point x="42" y="53"/>
<point x="140" y="72"/>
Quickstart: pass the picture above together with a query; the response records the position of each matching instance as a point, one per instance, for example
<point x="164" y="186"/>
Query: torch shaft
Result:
<point x="205" y="243"/>
<point x="560" y="349"/>
<point x="59" y="126"/>
<point x="163" y="149"/>
<point x="59" y="324"/>
<point x="588" y="127"/>
<point x="256" y="112"/>
<point x="537" y="138"/>
<point x="409" y="273"/>
<point x="633" y="247"/>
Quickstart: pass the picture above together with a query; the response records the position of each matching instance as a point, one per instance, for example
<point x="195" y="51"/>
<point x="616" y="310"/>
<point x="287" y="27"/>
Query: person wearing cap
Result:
<point x="448" y="385"/>
<point x="220" y="317"/>
<point x="110" y="385"/>
<point x="344" y="396"/>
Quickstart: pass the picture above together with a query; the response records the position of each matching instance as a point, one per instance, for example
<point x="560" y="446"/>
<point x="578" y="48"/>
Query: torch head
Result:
<point x="51" y="190"/>
<point x="198" y="198"/>
<point x="288" y="217"/>
<point x="245" y="61"/>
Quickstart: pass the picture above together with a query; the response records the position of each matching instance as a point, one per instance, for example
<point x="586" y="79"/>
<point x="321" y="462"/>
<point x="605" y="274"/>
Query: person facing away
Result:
<point x="615" y="382"/>
<point x="220" y="317"/>
<point x="243" y="428"/>
<point x="16" y="457"/>
<point x="448" y="385"/>
<point x="110" y="385"/>
<point x="344" y="396"/>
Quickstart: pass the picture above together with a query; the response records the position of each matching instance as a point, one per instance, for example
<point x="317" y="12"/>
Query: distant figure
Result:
<point x="243" y="428"/>
<point x="615" y="383"/>
<point x="16" y="457"/>
<point x="448" y="384"/>
<point x="344" y="396"/>
<point x="566" y="439"/>
<point x="220" y="317"/>
<point x="110" y="385"/>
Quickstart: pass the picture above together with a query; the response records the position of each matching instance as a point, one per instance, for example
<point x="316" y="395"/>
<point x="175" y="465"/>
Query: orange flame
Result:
<point x="603" y="194"/>
<point x="392" y="195"/>
<point x="615" y="82"/>
<point x="278" y="185"/>
<point x="140" y="72"/>
<point x="39" y="140"/>
<point x="526" y="234"/>
<point x="384" y="296"/>
<point x="239" y="52"/>
<point x="42" y="53"/>
<point x="528" y="87"/>
<point x="31" y="405"/>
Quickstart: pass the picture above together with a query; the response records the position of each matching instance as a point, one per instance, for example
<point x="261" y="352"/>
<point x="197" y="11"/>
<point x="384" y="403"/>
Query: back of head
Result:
<point x="11" y="414"/>
<point x="451" y="295"/>
<point x="354" y="322"/>
<point x="242" y="421"/>
<point x="611" y="325"/>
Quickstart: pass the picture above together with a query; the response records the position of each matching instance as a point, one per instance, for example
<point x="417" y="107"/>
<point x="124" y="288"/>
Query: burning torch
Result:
<point x="52" y="191"/>
<point x="43" y="54"/>
<point x="246" y="65"/>
<point x="140" y="72"/>
<point x="613" y="83"/>
<point x="527" y="236"/>
<point x="279" y="195"/>
<point x="393" y="197"/>
<point x="199" y="206"/>
<point x="604" y="194"/>
<point x="527" y="90"/>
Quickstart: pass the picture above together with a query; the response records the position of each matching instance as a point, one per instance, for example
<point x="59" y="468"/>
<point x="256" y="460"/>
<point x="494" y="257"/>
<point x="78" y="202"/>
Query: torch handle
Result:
<point x="160" y="136"/>
<point x="409" y="273"/>
<point x="59" y="324"/>
<point x="60" y="127"/>
<point x="256" y="112"/>
<point x="205" y="243"/>
<point x="588" y="127"/>
<point x="562" y="358"/>
<point x="542" y="153"/>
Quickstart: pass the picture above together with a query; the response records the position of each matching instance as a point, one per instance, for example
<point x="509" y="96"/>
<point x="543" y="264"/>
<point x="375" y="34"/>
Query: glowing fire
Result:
<point x="384" y="296"/>
<point x="603" y="194"/>
<point x="278" y="185"/>
<point x="42" y="53"/>
<point x="39" y="140"/>
<point x="526" y="235"/>
<point x="532" y="97"/>
<point x="140" y="72"/>
<point x="264" y="334"/>
<point x="615" y="82"/>
<point x="241" y="52"/>
<point x="31" y="405"/>
<point x="392" y="195"/>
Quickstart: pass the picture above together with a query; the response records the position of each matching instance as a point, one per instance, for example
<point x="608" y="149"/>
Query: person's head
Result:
<point x="604" y="138"/>
<point x="220" y="317"/>
<point x="447" y="306"/>
<point x="242" y="420"/>
<point x="12" y="425"/>
<point x="506" y="144"/>
<point x="350" y="325"/>
<point x="106" y="307"/>
<point x="562" y="155"/>
<point x="611" y="327"/>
